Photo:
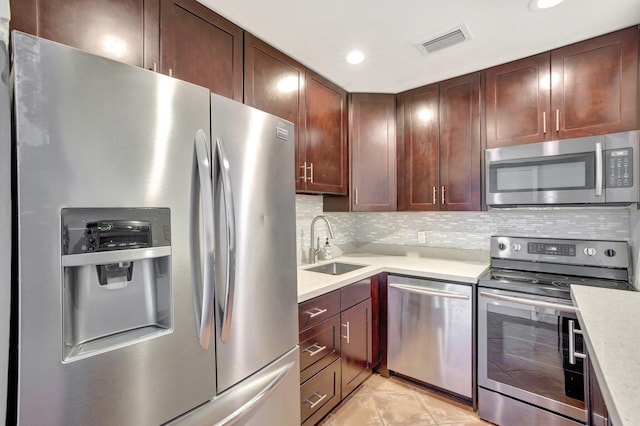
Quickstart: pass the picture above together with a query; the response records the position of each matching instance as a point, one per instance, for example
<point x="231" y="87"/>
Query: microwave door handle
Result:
<point x="598" y="169"/>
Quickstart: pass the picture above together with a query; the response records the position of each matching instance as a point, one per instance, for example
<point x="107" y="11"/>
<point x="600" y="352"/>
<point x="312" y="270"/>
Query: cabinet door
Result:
<point x="275" y="83"/>
<point x="372" y="135"/>
<point x="325" y="145"/>
<point x="595" y="85"/>
<point x="420" y="140"/>
<point x="460" y="184"/>
<point x="356" y="345"/>
<point x="518" y="100"/>
<point x="114" y="29"/>
<point x="201" y="47"/>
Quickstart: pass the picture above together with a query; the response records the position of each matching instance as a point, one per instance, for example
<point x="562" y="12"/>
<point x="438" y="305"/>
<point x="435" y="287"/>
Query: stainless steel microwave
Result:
<point x="590" y="170"/>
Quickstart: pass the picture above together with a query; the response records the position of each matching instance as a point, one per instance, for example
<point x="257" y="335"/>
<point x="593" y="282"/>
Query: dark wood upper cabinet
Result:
<point x="200" y="46"/>
<point x="372" y="136"/>
<point x="420" y="140"/>
<point x="114" y="29"/>
<point x="323" y="152"/>
<point x="275" y="83"/>
<point x="586" y="88"/>
<point x="460" y="149"/>
<point x="441" y="145"/>
<point x="595" y="85"/>
<point x="518" y="99"/>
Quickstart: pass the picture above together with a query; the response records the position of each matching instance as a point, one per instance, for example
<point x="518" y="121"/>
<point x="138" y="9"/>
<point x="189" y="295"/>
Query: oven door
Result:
<point x="555" y="172"/>
<point x="527" y="351"/>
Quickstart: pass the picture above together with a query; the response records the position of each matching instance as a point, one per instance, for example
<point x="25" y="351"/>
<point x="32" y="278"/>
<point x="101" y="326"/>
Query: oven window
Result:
<point x="529" y="350"/>
<point x="567" y="172"/>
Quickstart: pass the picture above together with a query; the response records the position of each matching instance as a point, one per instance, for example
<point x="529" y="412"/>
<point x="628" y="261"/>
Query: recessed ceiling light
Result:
<point x="537" y="5"/>
<point x="355" y="57"/>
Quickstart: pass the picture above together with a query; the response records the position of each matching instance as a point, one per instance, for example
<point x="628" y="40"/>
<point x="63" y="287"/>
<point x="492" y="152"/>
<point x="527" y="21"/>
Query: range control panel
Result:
<point x="552" y="249"/>
<point x="610" y="254"/>
<point x="619" y="167"/>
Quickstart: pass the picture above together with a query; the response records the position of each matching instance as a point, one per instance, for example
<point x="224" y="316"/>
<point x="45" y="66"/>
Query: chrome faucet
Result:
<point x="313" y="251"/>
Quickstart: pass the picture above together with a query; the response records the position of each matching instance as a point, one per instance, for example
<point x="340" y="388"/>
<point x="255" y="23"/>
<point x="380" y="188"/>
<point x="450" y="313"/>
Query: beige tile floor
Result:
<point x="396" y="402"/>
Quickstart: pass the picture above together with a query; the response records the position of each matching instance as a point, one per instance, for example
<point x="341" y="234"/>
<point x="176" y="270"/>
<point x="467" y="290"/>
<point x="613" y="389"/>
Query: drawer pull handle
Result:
<point x="315" y="312"/>
<point x="320" y="399"/>
<point x="314" y="349"/>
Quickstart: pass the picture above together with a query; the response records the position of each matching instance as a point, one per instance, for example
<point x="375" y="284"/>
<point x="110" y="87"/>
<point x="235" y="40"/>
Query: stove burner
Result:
<point x="553" y="285"/>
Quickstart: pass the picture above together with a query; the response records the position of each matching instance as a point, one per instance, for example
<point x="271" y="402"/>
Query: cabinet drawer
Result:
<point x="318" y="309"/>
<point x="354" y="293"/>
<point x="319" y="347"/>
<point x="320" y="394"/>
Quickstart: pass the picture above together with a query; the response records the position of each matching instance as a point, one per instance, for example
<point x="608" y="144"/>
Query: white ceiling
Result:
<point x="320" y="33"/>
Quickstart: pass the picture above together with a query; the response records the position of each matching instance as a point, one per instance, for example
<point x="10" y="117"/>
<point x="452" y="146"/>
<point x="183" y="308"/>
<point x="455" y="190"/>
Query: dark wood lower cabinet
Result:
<point x="319" y="347"/>
<point x="320" y="394"/>
<point x="356" y="345"/>
<point x="336" y="353"/>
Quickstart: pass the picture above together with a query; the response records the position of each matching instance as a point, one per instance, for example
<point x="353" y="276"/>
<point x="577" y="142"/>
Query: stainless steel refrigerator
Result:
<point x="5" y="220"/>
<point x="156" y="270"/>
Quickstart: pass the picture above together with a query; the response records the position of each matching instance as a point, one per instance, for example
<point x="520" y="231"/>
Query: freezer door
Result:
<point x="269" y="397"/>
<point x="254" y="201"/>
<point x="98" y="134"/>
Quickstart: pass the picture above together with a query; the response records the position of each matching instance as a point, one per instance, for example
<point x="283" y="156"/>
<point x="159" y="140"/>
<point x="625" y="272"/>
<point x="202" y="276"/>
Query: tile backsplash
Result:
<point x="459" y="230"/>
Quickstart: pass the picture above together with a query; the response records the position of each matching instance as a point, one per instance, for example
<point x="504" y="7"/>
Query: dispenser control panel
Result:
<point x="105" y="229"/>
<point x="107" y="235"/>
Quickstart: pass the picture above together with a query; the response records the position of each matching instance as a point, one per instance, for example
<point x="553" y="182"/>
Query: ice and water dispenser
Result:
<point x="116" y="278"/>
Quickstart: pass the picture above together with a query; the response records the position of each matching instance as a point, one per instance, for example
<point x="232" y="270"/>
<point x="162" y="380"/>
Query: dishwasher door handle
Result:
<point x="428" y="292"/>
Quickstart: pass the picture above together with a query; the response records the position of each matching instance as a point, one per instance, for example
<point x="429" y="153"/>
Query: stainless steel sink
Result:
<point x="335" y="268"/>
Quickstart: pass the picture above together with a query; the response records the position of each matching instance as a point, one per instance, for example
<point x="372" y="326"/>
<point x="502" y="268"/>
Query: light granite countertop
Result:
<point x="611" y="327"/>
<point x="313" y="284"/>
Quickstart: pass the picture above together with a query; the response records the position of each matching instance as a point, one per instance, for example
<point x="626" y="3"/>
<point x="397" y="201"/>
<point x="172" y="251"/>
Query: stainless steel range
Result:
<point x="532" y="366"/>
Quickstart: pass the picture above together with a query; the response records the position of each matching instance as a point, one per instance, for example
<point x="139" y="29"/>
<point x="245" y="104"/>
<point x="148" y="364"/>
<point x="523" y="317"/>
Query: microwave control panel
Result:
<point x="619" y="168"/>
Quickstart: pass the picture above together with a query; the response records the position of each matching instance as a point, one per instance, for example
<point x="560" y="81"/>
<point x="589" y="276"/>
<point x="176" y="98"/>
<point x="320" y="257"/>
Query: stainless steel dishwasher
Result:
<point x="430" y="332"/>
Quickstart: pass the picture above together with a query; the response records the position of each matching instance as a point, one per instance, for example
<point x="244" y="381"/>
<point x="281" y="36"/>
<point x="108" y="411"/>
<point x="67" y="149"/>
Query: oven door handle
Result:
<point x="531" y="302"/>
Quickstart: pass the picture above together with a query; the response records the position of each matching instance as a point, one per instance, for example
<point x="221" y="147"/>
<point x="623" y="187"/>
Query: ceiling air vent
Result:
<point x="442" y="41"/>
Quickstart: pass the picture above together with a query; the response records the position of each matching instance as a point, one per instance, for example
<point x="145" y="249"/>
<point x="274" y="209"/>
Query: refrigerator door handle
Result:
<point x="253" y="402"/>
<point x="204" y="306"/>
<point x="230" y="284"/>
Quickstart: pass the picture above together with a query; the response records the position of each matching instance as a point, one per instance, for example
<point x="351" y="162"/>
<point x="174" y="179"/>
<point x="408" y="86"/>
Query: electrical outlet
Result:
<point x="422" y="237"/>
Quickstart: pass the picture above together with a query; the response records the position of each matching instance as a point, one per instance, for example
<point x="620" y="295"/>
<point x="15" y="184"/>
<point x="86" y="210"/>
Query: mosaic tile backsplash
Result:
<point x="459" y="230"/>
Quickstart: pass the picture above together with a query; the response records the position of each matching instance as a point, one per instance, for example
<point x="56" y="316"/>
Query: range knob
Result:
<point x="610" y="252"/>
<point x="590" y="251"/>
<point x="502" y="246"/>
<point x="516" y="247"/>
